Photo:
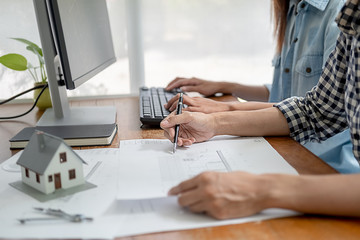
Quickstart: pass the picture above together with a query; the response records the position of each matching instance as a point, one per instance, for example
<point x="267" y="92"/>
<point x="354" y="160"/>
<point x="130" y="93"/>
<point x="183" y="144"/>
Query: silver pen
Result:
<point x="177" y="126"/>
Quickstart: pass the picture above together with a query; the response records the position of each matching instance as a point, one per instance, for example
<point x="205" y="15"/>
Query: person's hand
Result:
<point x="201" y="86"/>
<point x="223" y="195"/>
<point x="194" y="127"/>
<point x="198" y="104"/>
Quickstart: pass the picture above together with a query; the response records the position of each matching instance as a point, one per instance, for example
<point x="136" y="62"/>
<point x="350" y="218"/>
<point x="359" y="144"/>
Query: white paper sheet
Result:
<point x="117" y="218"/>
<point x="164" y="214"/>
<point x="148" y="168"/>
<point x="101" y="170"/>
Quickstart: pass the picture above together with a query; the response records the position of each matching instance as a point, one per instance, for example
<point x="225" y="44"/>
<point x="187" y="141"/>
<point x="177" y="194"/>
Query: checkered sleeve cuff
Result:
<point x="299" y="126"/>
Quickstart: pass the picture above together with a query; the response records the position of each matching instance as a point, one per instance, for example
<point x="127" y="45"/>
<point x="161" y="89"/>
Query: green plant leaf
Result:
<point x="14" y="61"/>
<point x="34" y="50"/>
<point x="31" y="44"/>
<point x="29" y="66"/>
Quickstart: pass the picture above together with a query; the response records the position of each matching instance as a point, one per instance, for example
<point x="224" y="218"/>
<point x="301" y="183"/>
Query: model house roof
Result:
<point x="40" y="151"/>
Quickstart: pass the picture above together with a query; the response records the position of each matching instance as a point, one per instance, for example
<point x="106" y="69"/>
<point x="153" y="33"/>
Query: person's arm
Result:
<point x="239" y="194"/>
<point x="206" y="105"/>
<point x="263" y="122"/>
<point x="209" y="88"/>
<point x="199" y="127"/>
<point x="333" y="194"/>
<point x="250" y="93"/>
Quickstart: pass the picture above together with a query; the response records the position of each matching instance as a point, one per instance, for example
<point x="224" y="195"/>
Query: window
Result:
<point x="211" y="40"/>
<point x="38" y="178"/>
<point x="50" y="178"/>
<point x="72" y="174"/>
<point x="207" y="39"/>
<point x="63" y="157"/>
<point x="22" y="23"/>
<point x="26" y="172"/>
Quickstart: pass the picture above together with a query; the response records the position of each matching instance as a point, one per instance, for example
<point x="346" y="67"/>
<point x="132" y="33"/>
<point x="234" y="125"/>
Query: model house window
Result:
<point x="50" y="178"/>
<point x="72" y="174"/>
<point x="62" y="157"/>
<point x="38" y="178"/>
<point x="26" y="172"/>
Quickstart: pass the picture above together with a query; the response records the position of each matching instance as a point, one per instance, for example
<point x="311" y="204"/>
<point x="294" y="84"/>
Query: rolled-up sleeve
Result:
<point x="321" y="113"/>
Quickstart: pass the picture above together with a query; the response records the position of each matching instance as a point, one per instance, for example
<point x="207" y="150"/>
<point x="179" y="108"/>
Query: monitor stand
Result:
<point x="81" y="126"/>
<point x="80" y="116"/>
<point x="90" y="125"/>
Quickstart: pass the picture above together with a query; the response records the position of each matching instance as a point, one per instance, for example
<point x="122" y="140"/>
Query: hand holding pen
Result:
<point x="177" y="126"/>
<point x="195" y="126"/>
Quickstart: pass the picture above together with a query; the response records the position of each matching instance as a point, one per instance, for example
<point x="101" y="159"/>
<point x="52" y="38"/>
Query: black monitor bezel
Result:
<point x="61" y="50"/>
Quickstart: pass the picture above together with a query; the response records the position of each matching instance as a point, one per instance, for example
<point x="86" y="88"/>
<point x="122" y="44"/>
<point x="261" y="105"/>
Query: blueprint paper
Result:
<point x="148" y="168"/>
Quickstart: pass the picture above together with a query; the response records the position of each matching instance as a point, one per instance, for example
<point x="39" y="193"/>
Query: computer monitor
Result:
<point x="77" y="44"/>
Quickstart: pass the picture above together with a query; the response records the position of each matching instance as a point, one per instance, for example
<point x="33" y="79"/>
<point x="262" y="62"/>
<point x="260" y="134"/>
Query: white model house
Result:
<point x="48" y="164"/>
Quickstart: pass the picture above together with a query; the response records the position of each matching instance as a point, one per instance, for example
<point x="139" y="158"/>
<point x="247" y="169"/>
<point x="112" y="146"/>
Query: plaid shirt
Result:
<point x="334" y="104"/>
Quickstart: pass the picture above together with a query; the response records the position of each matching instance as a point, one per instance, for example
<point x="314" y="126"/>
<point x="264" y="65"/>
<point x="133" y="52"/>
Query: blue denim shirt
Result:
<point x="310" y="37"/>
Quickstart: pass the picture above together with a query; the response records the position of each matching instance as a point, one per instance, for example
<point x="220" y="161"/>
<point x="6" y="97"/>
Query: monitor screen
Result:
<point x="83" y="38"/>
<point x="77" y="44"/>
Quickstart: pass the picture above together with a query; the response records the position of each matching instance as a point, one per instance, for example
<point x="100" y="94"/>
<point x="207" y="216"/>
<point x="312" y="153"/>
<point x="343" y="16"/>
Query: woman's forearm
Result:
<point x="249" y="93"/>
<point x="264" y="122"/>
<point x="248" y="106"/>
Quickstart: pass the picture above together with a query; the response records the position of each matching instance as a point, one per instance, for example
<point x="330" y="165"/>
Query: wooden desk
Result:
<point x="303" y="227"/>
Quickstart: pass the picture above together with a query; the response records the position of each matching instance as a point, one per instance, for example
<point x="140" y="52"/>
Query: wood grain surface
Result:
<point x="302" y="227"/>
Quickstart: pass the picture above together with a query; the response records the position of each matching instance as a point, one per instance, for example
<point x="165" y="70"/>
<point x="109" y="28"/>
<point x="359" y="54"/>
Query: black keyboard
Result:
<point x="152" y="101"/>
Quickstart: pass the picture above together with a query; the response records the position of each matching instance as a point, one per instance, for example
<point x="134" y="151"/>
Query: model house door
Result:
<point x="57" y="177"/>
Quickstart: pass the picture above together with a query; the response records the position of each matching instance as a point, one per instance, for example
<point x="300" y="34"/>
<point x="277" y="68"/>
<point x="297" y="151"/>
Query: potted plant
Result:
<point x="18" y="62"/>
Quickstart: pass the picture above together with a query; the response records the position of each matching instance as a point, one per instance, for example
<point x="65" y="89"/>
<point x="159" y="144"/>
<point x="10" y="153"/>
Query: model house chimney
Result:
<point x="41" y="141"/>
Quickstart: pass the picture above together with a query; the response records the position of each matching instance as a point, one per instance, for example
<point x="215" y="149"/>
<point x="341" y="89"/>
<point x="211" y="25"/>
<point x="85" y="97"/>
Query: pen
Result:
<point x="177" y="126"/>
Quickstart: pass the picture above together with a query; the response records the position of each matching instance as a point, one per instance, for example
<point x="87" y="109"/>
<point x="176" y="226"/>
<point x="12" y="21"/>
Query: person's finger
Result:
<point x="184" y="186"/>
<point x="174" y="80"/>
<point x="199" y="207"/>
<point x="170" y="133"/>
<point x="180" y="142"/>
<point x="173" y="119"/>
<point x="186" y="100"/>
<point x="175" y="84"/>
<point x="173" y="106"/>
<point x="192" y="109"/>
<point x="191" y="197"/>
<point x="187" y="142"/>
<point x="169" y="136"/>
<point x="164" y="124"/>
<point x="189" y="88"/>
<point x="168" y="87"/>
<point x="172" y="101"/>
<point x="182" y="83"/>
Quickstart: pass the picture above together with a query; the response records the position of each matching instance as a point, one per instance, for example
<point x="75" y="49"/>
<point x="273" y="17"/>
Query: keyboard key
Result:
<point x="147" y="109"/>
<point x="152" y="101"/>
